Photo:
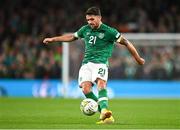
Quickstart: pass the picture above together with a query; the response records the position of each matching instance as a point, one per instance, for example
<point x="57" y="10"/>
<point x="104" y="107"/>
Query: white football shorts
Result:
<point x="92" y="71"/>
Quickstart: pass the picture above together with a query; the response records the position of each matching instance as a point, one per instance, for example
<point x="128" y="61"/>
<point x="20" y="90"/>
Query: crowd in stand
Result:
<point x="24" y="24"/>
<point x="162" y="63"/>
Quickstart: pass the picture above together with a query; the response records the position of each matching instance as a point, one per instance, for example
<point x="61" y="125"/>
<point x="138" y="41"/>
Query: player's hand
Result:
<point x="47" y="40"/>
<point x="141" y="61"/>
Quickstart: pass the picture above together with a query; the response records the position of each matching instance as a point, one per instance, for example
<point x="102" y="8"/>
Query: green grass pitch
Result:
<point x="35" y="113"/>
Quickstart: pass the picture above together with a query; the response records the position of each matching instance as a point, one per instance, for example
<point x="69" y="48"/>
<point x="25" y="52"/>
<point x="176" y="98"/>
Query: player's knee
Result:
<point x="86" y="87"/>
<point x="101" y="84"/>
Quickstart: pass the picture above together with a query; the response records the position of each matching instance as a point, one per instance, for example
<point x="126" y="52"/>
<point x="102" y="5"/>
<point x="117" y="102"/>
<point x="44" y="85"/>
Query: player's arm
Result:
<point x="123" y="41"/>
<point x="63" y="38"/>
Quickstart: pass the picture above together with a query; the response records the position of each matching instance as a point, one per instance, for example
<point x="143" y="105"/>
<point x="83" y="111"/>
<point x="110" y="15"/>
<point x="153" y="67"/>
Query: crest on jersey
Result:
<point x="101" y="35"/>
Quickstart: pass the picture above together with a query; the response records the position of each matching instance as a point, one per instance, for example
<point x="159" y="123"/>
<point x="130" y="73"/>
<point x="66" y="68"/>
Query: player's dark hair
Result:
<point x="93" y="11"/>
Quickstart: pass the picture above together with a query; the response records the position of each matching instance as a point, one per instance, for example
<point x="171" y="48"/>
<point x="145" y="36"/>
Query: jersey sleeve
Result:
<point x="79" y="33"/>
<point x="115" y="35"/>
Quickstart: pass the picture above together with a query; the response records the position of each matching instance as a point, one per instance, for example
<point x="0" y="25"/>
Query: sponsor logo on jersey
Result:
<point x="87" y="33"/>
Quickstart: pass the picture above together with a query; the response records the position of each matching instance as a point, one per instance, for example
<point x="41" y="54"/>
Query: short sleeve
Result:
<point x="79" y="33"/>
<point x="114" y="34"/>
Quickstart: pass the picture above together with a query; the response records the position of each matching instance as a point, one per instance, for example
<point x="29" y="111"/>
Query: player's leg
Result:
<point x="103" y="99"/>
<point x="106" y="115"/>
<point x="87" y="90"/>
<point x="100" y="76"/>
<point x="85" y="78"/>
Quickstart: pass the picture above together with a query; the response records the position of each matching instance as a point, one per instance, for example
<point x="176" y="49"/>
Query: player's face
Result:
<point x="93" y="20"/>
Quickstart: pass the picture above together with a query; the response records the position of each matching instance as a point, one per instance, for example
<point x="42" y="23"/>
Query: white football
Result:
<point x="89" y="107"/>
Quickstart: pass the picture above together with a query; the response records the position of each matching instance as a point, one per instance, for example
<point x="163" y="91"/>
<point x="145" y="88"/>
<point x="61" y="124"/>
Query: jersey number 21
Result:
<point x="92" y="39"/>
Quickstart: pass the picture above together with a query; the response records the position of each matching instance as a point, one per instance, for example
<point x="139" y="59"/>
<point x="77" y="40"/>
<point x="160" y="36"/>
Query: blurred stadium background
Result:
<point x="29" y="69"/>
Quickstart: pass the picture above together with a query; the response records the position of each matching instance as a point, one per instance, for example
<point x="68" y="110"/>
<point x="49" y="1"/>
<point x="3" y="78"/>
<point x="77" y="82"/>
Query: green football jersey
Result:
<point x="99" y="43"/>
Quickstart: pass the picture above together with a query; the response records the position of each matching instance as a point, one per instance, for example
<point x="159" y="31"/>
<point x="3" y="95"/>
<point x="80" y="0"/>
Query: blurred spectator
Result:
<point x="23" y="25"/>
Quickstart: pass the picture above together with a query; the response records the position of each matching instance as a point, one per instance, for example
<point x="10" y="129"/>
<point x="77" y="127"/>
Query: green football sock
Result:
<point x="93" y="96"/>
<point x="103" y="99"/>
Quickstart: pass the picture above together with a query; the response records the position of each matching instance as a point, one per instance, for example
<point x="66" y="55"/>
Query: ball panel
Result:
<point x="89" y="107"/>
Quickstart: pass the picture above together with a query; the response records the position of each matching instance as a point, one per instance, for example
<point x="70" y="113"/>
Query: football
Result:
<point x="89" y="107"/>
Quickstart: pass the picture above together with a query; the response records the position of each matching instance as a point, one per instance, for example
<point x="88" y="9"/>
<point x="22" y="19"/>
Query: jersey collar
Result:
<point x="100" y="27"/>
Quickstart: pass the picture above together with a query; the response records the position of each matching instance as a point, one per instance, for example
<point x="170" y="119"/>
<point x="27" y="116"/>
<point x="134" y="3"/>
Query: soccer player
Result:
<point x="99" y="40"/>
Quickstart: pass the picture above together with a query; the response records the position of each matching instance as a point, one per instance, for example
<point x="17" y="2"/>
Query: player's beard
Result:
<point x="93" y="26"/>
